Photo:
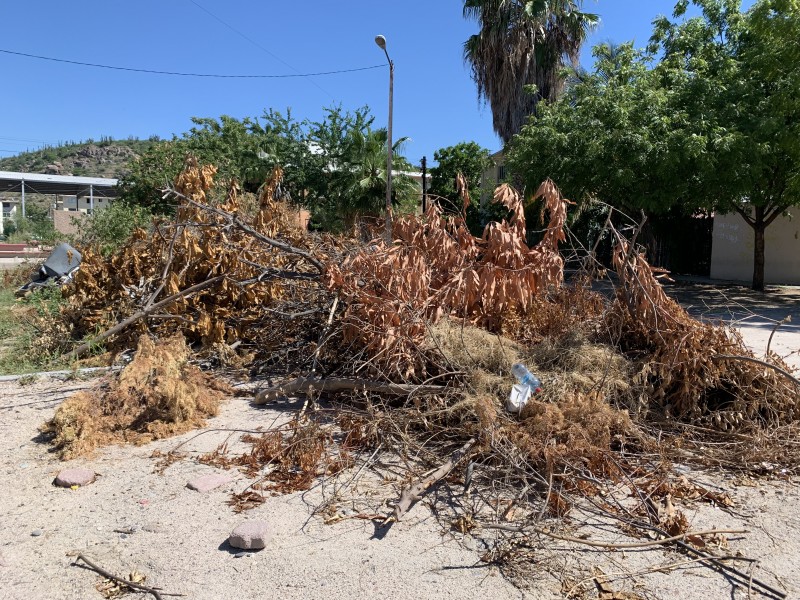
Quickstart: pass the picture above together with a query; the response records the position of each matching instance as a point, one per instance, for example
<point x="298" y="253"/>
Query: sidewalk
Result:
<point x="754" y="314"/>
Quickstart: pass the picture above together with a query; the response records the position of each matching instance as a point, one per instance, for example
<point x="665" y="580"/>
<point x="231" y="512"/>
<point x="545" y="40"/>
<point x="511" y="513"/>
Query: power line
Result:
<point x="13" y="139"/>
<point x="256" y="44"/>
<point x="179" y="74"/>
<point x="249" y="39"/>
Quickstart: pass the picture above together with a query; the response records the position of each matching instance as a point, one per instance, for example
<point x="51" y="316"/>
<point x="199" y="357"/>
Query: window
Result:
<point x="501" y="173"/>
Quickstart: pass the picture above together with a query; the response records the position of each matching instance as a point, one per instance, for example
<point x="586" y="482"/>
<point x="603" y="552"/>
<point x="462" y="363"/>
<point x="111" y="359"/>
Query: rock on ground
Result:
<point x="250" y="535"/>
<point x="77" y="476"/>
<point x="206" y="483"/>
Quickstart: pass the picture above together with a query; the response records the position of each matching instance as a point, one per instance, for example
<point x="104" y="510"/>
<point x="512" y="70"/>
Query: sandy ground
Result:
<point x="177" y="536"/>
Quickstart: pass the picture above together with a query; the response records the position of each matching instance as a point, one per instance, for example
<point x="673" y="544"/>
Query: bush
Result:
<point x="110" y="227"/>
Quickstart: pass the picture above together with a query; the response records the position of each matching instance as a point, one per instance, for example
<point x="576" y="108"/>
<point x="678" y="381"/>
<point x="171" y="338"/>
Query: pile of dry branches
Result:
<point x="696" y="372"/>
<point x="215" y="274"/>
<point x="415" y="340"/>
<point x="436" y="268"/>
<point x="159" y="394"/>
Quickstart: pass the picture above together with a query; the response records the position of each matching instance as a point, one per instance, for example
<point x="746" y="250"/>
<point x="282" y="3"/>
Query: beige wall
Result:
<point x="64" y="221"/>
<point x="493" y="176"/>
<point x="732" y="250"/>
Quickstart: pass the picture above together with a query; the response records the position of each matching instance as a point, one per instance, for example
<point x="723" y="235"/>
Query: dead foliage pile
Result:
<point x="694" y="372"/>
<point x="420" y="336"/>
<point x="159" y="394"/>
<point x="437" y="268"/>
<point x="242" y="283"/>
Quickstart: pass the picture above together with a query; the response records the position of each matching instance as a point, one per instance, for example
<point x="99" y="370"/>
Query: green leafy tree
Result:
<point x="110" y="227"/>
<point x="737" y="75"/>
<point x="335" y="167"/>
<point x="155" y="169"/>
<point x="244" y="150"/>
<point x="713" y="124"/>
<point x="611" y="128"/>
<point x="517" y="57"/>
<point x="353" y="181"/>
<point x="467" y="158"/>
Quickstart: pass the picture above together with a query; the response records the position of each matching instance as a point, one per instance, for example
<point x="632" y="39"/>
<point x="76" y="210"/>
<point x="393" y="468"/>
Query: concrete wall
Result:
<point x="67" y="221"/>
<point x="732" y="250"/>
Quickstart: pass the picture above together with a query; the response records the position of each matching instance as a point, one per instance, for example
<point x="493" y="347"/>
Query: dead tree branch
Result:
<point x="87" y="346"/>
<point x="125" y="582"/>
<point x="757" y="361"/>
<point x="239" y="224"/>
<point x="304" y="385"/>
<point x="411" y="495"/>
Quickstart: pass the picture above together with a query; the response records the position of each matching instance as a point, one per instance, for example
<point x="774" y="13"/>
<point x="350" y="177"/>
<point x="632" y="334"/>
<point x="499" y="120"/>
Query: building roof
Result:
<point x="65" y="185"/>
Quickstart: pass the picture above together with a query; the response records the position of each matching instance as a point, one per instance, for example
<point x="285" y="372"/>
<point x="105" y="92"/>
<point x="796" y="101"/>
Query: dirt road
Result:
<point x="133" y="519"/>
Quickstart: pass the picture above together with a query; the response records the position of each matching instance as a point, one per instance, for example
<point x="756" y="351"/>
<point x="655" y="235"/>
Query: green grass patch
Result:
<point x="29" y="335"/>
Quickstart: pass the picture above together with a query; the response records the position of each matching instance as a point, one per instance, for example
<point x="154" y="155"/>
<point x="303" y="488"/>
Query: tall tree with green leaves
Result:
<point x="353" y="182"/>
<point x="738" y="74"/>
<point x="518" y="56"/>
<point x="707" y="118"/>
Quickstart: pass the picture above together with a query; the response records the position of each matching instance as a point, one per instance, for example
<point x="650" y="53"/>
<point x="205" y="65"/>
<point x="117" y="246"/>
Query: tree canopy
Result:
<point x="705" y="118"/>
<point x="335" y="167"/>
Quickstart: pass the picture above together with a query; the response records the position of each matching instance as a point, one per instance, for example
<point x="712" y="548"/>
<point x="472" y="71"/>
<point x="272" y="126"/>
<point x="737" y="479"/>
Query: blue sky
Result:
<point x="435" y="101"/>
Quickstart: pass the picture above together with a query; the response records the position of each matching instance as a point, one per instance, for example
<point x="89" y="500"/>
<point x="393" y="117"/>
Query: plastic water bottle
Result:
<point x="527" y="378"/>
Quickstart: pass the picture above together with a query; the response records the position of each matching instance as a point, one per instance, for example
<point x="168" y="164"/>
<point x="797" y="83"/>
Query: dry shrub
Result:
<point x="467" y="348"/>
<point x="437" y="268"/>
<point x="159" y="394"/>
<point x="680" y="369"/>
<point x="575" y="427"/>
<point x="580" y="414"/>
<point x="560" y="312"/>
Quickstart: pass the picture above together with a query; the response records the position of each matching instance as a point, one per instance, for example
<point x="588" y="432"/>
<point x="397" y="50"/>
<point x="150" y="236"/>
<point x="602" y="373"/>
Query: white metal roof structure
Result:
<point x="64" y="185"/>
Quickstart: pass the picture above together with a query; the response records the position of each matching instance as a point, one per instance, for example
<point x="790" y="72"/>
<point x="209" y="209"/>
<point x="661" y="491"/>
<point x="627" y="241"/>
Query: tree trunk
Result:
<point x="759" y="226"/>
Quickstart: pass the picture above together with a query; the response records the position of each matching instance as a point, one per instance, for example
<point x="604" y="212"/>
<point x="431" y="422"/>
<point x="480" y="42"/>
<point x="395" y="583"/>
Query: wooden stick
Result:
<point x="84" y="348"/>
<point x="786" y="319"/>
<point x="411" y="495"/>
<point x="303" y="385"/>
<point x="130" y="584"/>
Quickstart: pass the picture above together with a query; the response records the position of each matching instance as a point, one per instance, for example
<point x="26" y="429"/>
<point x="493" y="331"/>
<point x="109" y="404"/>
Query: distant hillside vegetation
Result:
<point x="106" y="158"/>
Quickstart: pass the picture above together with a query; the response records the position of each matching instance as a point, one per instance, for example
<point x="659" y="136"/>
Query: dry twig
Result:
<point x="130" y="584"/>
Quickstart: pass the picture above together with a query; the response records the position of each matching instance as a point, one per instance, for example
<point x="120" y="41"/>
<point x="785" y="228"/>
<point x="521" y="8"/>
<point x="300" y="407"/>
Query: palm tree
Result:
<point x="520" y="44"/>
<point x="359" y="175"/>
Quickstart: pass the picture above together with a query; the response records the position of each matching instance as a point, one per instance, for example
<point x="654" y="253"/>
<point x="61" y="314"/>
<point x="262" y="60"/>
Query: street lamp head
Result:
<point x="381" y="41"/>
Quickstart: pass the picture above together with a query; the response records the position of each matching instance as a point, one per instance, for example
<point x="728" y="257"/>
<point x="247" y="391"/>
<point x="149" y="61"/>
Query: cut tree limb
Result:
<point x="303" y="385"/>
<point x="135" y="586"/>
<point x="411" y="495"/>
<point x="237" y="222"/>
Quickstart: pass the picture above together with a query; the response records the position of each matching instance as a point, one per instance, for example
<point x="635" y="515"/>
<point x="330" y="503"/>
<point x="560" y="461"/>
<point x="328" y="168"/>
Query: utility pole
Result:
<point x="424" y="185"/>
<point x="381" y="42"/>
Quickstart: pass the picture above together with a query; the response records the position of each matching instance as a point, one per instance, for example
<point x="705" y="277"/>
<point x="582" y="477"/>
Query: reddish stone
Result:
<point x="250" y="535"/>
<point x="206" y="483"/>
<point x="72" y="477"/>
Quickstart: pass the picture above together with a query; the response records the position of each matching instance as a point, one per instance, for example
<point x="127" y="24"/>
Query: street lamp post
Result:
<point x="381" y="41"/>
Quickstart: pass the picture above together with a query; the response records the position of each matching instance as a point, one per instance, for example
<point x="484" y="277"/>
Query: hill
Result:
<point x="106" y="158"/>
